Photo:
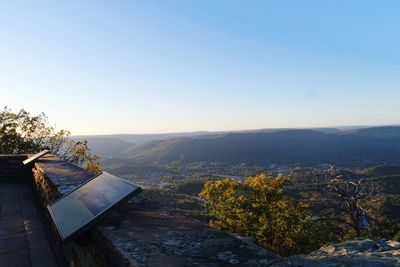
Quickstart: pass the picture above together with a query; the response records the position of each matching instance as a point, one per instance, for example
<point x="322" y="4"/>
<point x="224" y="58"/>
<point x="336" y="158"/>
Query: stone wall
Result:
<point x="13" y="170"/>
<point x="53" y="178"/>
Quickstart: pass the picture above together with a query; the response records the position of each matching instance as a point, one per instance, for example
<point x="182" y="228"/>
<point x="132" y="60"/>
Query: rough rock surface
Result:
<point x="162" y="238"/>
<point x="359" y="252"/>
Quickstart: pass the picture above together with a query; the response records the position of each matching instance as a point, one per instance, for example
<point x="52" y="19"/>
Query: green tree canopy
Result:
<point x="23" y="133"/>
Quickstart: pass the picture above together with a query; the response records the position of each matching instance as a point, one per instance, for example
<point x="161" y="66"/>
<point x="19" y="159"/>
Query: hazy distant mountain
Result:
<point x="281" y="147"/>
<point x="106" y="147"/>
<point x="113" y="145"/>
<point x="143" y="138"/>
<point x="383" y="131"/>
<point x="284" y="146"/>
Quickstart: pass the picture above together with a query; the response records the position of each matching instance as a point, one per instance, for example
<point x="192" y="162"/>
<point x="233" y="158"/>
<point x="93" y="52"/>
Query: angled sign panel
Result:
<point x="35" y="157"/>
<point x="77" y="211"/>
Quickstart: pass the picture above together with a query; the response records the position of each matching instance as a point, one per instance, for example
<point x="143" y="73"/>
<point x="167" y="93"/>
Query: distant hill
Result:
<point x="143" y="138"/>
<point x="281" y="147"/>
<point x="106" y="147"/>
<point x="113" y="145"/>
<point x="382" y="170"/>
<point x="343" y="145"/>
<point x="384" y="131"/>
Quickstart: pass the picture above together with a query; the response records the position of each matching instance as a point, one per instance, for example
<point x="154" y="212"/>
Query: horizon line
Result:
<point x="246" y="130"/>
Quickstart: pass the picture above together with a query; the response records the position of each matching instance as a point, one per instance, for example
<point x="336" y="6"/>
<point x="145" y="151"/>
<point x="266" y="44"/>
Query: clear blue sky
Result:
<point x="97" y="67"/>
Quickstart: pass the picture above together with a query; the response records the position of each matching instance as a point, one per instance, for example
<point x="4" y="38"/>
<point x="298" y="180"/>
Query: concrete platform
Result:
<point x="23" y="240"/>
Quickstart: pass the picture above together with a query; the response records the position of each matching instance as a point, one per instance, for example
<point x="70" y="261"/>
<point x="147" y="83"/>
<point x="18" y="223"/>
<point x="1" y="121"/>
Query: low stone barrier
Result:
<point x="54" y="178"/>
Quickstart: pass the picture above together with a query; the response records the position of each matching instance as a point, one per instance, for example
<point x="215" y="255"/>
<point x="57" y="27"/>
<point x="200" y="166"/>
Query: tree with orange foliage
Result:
<point x="259" y="208"/>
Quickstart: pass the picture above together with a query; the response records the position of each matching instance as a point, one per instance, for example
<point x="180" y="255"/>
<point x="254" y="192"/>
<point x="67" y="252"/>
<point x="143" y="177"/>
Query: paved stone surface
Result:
<point x="23" y="241"/>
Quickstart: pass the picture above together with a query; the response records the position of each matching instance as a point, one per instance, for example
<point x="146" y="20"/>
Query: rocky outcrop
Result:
<point x="151" y="237"/>
<point x="359" y="252"/>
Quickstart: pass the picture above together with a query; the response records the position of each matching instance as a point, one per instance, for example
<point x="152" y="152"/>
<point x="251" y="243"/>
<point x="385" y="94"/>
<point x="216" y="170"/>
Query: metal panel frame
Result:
<point x="35" y="157"/>
<point x="96" y="218"/>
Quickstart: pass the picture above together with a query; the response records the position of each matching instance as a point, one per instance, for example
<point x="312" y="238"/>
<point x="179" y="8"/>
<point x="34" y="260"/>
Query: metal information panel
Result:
<point x="35" y="157"/>
<point x="78" y="210"/>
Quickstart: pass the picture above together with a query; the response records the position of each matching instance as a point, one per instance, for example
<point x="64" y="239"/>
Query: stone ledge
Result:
<point x="150" y="237"/>
<point x="63" y="176"/>
<point x="52" y="179"/>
